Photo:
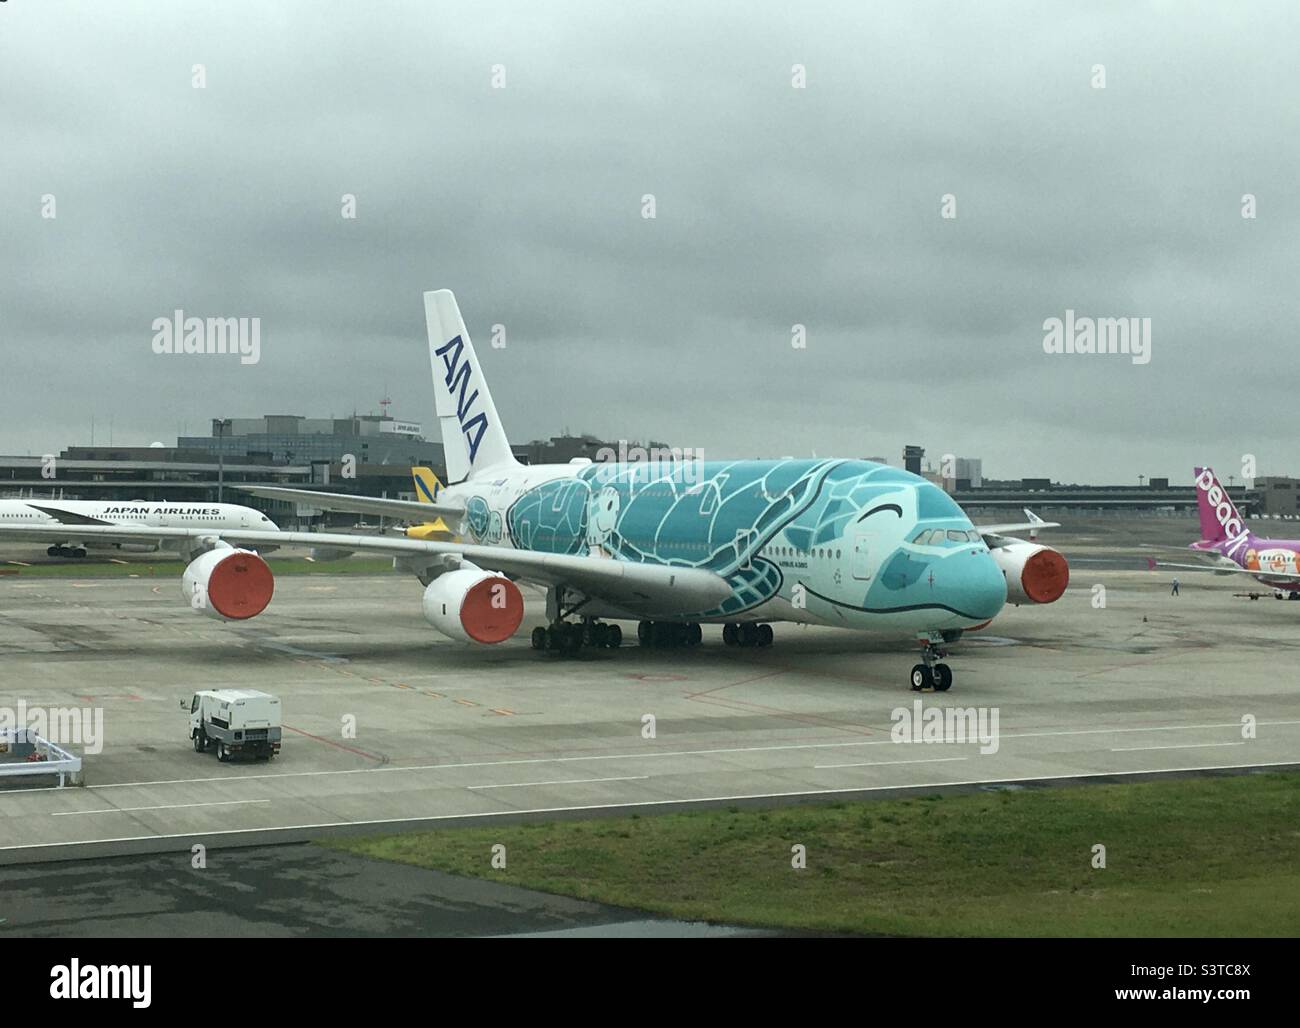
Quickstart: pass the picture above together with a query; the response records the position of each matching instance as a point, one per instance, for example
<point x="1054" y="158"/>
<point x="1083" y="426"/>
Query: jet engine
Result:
<point x="1035" y="573"/>
<point x="230" y="584"/>
<point x="473" y="605"/>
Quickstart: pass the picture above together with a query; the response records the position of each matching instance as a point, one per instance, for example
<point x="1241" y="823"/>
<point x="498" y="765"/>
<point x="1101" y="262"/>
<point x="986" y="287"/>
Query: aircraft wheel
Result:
<point x="80" y="551"/>
<point x="943" y="678"/>
<point x="539" y="638"/>
<point x="644" y="632"/>
<point x="53" y="551"/>
<point x="922" y="678"/>
<point x="572" y="639"/>
<point x="694" y="634"/>
<point x="614" y="637"/>
<point x="749" y="634"/>
<point x="765" y="635"/>
<point x="731" y="634"/>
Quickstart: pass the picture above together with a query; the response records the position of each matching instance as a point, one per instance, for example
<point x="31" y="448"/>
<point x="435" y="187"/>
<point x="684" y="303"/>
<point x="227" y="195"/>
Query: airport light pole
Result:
<point x="221" y="424"/>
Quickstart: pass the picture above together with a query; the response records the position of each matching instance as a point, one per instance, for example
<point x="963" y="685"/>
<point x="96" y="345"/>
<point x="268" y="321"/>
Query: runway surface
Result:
<point x="388" y="724"/>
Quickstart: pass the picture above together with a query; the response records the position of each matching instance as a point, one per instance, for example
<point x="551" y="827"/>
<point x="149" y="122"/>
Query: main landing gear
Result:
<point x="568" y="637"/>
<point x="666" y="635"/>
<point x="66" y="551"/>
<point x="747" y="633"/>
<point x="930" y="675"/>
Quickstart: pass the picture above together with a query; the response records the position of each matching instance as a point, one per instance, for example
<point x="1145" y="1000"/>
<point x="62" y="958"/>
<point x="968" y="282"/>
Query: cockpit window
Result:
<point x="955" y="536"/>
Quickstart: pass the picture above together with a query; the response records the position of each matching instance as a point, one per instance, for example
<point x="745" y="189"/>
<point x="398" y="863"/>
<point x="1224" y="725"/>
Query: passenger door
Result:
<point x="860" y="564"/>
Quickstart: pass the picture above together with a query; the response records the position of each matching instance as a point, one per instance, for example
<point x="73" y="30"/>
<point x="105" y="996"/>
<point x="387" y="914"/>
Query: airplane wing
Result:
<point x="418" y="511"/>
<point x="66" y="517"/>
<point x="638" y="588"/>
<point x="1032" y="525"/>
<point x="1218" y="569"/>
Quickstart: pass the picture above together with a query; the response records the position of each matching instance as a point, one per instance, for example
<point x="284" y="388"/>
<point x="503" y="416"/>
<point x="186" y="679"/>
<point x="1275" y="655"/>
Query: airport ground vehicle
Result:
<point x="235" y="721"/>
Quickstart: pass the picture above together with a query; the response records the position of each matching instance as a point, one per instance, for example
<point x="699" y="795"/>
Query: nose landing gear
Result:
<point x="930" y="675"/>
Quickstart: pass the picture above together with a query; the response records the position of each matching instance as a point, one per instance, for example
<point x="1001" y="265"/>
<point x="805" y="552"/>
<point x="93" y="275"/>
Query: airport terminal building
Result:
<point x="372" y="455"/>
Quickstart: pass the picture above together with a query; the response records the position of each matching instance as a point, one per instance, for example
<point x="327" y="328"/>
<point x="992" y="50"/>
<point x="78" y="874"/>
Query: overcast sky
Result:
<point x="775" y="206"/>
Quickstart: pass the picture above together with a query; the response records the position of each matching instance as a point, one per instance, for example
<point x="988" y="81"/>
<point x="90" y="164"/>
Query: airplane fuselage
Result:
<point x="847" y="543"/>
<point x="1249" y="551"/>
<point x="73" y="513"/>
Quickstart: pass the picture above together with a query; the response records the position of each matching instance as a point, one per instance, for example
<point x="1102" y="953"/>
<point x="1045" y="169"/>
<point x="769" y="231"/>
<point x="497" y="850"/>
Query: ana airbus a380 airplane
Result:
<point x="671" y="544"/>
<point x="73" y="517"/>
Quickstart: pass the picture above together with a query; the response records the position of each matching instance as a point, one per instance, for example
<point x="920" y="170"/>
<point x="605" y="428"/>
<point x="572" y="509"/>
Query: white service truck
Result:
<point x="235" y="721"/>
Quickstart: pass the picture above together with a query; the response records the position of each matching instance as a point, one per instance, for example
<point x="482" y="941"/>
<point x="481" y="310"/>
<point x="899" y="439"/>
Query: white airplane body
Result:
<point x="70" y="519"/>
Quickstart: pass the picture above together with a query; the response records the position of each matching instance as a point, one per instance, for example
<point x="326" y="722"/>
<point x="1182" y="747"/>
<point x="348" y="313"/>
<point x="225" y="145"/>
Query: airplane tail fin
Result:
<point x="427" y="486"/>
<point x="472" y="436"/>
<point x="1219" y="517"/>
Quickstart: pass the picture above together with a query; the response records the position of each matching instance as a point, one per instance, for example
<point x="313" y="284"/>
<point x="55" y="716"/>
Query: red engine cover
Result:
<point x="240" y="586"/>
<point x="487" y="621"/>
<point x="1045" y="576"/>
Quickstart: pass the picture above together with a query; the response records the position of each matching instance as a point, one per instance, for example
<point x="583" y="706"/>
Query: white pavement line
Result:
<point x="1182" y="746"/>
<point x="167" y="806"/>
<point x="883" y="763"/>
<point x="566" y="781"/>
<point x="388" y="769"/>
<point x="643" y="803"/>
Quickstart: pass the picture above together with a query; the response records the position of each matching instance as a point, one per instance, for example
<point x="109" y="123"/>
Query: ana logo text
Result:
<point x="458" y="384"/>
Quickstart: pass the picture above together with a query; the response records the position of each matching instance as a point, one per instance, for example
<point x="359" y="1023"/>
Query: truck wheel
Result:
<point x="223" y="754"/>
<point x="200" y="742"/>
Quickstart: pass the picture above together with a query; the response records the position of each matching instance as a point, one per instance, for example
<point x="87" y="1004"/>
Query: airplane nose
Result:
<point x="983" y="588"/>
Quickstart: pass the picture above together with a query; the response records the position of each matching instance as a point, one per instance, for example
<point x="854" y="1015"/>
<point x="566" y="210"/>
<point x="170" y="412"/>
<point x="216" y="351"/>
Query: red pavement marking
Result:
<point x="331" y="742"/>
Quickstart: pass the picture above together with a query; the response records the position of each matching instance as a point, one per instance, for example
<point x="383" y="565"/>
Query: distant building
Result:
<point x="970" y="469"/>
<point x="291" y="438"/>
<point x="1278" y="495"/>
<point x="561" y="449"/>
<point x="912" y="456"/>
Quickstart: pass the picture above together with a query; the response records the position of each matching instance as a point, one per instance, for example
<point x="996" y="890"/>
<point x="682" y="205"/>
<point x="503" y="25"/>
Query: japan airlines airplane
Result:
<point x="74" y="516"/>
<point x="672" y="544"/>
<point x="1232" y="548"/>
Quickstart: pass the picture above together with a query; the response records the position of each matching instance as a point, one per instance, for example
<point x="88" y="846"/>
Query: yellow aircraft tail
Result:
<point x="427" y="488"/>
